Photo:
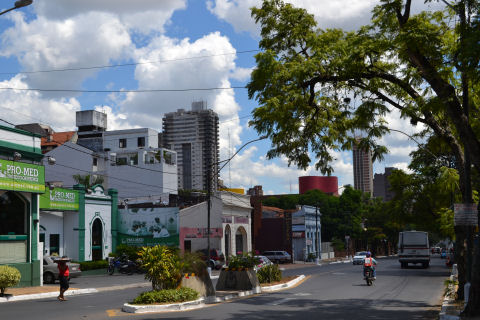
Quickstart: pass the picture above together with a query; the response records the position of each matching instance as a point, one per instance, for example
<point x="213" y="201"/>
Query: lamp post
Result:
<point x="18" y="4"/>
<point x="209" y="193"/>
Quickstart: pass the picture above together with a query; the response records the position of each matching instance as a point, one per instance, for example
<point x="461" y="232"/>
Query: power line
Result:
<point x="127" y="64"/>
<point x="123" y="91"/>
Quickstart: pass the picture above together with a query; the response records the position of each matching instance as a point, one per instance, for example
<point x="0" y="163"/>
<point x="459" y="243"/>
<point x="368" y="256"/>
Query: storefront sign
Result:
<point x="241" y="220"/>
<point x="149" y="226"/>
<point x="298" y="234"/>
<point x="21" y="176"/>
<point x="198" y="233"/>
<point x="59" y="199"/>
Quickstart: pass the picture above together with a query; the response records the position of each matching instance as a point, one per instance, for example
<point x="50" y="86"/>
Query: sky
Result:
<point x="102" y="53"/>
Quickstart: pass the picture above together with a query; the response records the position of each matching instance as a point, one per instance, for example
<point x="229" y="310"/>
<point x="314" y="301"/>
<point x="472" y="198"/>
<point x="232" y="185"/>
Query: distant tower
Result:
<point x="381" y="185"/>
<point x="362" y="170"/>
<point x="194" y="136"/>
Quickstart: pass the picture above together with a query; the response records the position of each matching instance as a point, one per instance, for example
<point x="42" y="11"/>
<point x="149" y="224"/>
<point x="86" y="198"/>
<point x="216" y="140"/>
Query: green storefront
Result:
<point x="22" y="179"/>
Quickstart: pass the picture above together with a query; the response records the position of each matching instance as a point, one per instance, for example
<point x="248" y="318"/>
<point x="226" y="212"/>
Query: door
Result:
<point x="97" y="240"/>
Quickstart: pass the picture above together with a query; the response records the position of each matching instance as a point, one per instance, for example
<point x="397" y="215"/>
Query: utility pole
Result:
<point x="316" y="232"/>
<point x="209" y="196"/>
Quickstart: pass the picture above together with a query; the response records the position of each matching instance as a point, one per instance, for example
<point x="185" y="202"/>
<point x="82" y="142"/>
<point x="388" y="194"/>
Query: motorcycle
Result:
<point x="122" y="264"/>
<point x="369" y="276"/>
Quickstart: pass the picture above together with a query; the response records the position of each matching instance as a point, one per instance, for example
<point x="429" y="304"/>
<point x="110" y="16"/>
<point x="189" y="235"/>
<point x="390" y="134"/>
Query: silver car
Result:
<point x="359" y="257"/>
<point x="262" y="262"/>
<point x="50" y="269"/>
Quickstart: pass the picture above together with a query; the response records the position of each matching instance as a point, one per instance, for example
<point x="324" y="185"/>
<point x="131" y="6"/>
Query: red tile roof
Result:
<point x="58" y="138"/>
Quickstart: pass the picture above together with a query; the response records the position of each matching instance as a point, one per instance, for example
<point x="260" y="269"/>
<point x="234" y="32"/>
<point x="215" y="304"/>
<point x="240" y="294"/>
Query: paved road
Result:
<point x="330" y="292"/>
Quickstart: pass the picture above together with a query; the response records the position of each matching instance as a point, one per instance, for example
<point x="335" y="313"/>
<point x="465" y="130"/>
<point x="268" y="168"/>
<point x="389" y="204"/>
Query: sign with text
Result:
<point x="59" y="199"/>
<point x="20" y="176"/>
<point x="466" y="214"/>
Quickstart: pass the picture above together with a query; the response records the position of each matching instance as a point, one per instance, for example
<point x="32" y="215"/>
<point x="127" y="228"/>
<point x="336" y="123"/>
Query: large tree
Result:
<point x="317" y="89"/>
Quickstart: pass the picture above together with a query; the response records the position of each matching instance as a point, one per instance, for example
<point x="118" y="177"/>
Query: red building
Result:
<point x="329" y="185"/>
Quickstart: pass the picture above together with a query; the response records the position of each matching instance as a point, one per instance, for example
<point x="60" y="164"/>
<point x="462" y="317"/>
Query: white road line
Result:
<point x="276" y="303"/>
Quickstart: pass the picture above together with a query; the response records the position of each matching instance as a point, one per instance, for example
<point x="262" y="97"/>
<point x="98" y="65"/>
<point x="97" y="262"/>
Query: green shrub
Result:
<point x="270" y="273"/>
<point x="166" y="296"/>
<point x="193" y="263"/>
<point x="9" y="277"/>
<point x="244" y="261"/>
<point x="162" y="265"/>
<point x="93" y="265"/>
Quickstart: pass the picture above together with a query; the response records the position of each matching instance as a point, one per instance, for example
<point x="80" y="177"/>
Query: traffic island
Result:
<point x="239" y="279"/>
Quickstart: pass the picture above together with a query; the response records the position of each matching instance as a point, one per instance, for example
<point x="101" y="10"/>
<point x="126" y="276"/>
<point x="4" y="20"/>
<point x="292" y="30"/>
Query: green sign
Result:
<point x="59" y="199"/>
<point x="20" y="176"/>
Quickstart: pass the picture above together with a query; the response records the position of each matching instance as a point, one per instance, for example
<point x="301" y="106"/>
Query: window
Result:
<point x="141" y="142"/>
<point x="122" y="143"/>
<point x="134" y="160"/>
<point x="95" y="162"/>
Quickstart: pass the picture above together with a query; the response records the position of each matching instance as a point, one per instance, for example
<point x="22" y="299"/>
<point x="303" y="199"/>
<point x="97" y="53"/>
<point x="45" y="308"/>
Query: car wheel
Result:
<point x="48" y="277"/>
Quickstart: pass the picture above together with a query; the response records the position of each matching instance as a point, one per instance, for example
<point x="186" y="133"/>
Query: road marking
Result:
<point x="302" y="294"/>
<point x="338" y="273"/>
<point x="112" y="313"/>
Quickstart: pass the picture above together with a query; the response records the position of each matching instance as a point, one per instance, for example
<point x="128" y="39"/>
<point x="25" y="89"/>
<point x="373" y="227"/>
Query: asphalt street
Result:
<point x="334" y="291"/>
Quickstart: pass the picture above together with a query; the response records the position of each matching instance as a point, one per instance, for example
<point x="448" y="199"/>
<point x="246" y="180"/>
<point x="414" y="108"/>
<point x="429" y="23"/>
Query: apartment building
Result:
<point x="362" y="170"/>
<point x="194" y="135"/>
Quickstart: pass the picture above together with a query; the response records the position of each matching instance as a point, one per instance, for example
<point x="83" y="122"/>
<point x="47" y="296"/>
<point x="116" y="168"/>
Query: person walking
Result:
<point x="63" y="275"/>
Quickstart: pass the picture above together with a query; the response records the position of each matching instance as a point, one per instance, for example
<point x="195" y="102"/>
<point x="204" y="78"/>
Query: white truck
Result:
<point x="413" y="247"/>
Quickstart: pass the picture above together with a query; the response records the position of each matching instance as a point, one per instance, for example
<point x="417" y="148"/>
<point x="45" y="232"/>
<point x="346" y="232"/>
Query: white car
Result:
<point x="359" y="257"/>
<point x="262" y="262"/>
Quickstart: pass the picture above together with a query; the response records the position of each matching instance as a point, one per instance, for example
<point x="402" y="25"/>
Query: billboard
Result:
<point x="19" y="176"/>
<point x="148" y="226"/>
<point x="59" y="199"/>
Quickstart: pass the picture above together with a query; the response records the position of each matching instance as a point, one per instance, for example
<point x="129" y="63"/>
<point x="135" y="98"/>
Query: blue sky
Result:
<point x="173" y="44"/>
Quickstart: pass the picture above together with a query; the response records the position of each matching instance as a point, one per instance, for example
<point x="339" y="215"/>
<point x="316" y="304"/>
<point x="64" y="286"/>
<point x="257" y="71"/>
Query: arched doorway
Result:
<point x="241" y="240"/>
<point x="228" y="233"/>
<point x="97" y="240"/>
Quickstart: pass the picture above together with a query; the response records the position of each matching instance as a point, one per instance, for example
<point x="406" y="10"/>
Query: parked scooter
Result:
<point x="122" y="264"/>
<point x="369" y="278"/>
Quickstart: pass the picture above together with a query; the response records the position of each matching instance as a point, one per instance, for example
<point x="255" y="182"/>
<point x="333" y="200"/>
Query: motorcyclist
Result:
<point x="369" y="262"/>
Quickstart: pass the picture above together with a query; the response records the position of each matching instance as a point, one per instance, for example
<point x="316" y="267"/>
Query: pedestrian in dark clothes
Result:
<point x="63" y="275"/>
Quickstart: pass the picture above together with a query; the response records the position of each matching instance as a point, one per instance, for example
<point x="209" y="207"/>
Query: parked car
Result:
<point x="262" y="262"/>
<point x="217" y="258"/>
<point x="278" y="256"/>
<point x="50" y="269"/>
<point x="359" y="257"/>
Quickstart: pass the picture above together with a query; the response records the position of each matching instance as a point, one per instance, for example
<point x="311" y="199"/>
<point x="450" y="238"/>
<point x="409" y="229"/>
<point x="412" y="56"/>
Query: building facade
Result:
<point x="306" y="233"/>
<point x="22" y="179"/>
<point x="329" y="185"/>
<point x="194" y="136"/>
<point x="381" y="185"/>
<point x="362" y="170"/>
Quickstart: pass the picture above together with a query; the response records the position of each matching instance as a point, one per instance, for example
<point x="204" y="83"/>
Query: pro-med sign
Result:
<point x="20" y="176"/>
<point x="59" y="199"/>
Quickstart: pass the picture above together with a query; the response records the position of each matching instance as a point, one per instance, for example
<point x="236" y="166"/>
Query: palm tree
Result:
<point x="88" y="180"/>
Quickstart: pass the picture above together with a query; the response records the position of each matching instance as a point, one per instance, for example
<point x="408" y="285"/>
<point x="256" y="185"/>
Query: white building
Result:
<point x="306" y="229"/>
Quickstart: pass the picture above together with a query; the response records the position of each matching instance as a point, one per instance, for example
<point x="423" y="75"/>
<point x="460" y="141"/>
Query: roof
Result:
<point x="58" y="138"/>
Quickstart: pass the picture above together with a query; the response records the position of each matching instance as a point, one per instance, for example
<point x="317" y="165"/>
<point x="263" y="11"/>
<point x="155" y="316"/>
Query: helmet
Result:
<point x="369" y="254"/>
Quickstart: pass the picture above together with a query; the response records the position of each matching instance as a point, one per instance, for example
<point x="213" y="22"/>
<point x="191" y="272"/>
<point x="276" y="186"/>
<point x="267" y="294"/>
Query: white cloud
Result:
<point x="91" y="39"/>
<point x="241" y="74"/>
<point x="21" y="107"/>
<point x="141" y="16"/>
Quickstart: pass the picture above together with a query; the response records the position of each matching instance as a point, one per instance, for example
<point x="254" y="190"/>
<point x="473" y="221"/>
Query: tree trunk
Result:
<point x="460" y="259"/>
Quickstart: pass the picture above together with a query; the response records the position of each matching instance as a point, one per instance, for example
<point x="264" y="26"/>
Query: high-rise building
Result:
<point x="194" y="136"/>
<point x="362" y="170"/>
<point x="381" y="185"/>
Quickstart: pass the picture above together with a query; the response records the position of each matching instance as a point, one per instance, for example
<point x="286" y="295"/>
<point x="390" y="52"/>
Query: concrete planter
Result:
<point x="200" y="283"/>
<point x="238" y="279"/>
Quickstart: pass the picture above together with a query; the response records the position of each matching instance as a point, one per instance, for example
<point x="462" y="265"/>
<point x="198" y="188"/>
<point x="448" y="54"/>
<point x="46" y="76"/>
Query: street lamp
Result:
<point x="209" y="193"/>
<point x="18" y="4"/>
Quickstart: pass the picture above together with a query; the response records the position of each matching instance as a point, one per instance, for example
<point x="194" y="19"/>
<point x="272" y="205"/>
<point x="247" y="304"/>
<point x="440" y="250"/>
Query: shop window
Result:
<point x="121" y="161"/>
<point x="134" y="160"/>
<point x="122" y="143"/>
<point x="13" y="214"/>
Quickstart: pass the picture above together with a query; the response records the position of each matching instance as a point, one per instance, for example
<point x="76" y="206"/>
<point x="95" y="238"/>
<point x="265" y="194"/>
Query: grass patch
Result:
<point x="166" y="296"/>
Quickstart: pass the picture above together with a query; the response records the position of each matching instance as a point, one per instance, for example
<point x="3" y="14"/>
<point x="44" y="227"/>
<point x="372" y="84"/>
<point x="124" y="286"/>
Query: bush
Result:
<point x="93" y="265"/>
<point x="9" y="277"/>
<point x="244" y="261"/>
<point x="270" y="273"/>
<point x="162" y="266"/>
<point x="166" y="296"/>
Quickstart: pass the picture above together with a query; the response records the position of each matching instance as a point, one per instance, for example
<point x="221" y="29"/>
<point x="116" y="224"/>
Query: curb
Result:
<point x="289" y="284"/>
<point x="46" y="295"/>
<point x="200" y="303"/>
